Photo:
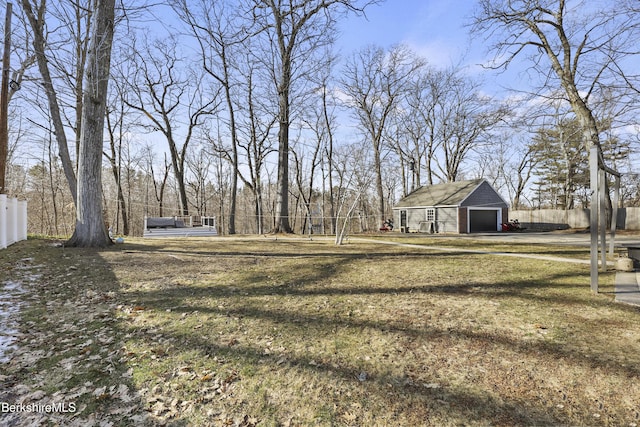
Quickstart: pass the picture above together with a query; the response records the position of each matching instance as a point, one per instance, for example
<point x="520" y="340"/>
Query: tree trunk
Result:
<point x="122" y="203"/>
<point x="282" y="197"/>
<point x="182" y="189"/>
<point x="258" y="206"/>
<point x="379" y="186"/>
<point x="4" y="101"/>
<point x="332" y="198"/>
<point x="91" y="230"/>
<point x="116" y="170"/>
<point x="234" y="158"/>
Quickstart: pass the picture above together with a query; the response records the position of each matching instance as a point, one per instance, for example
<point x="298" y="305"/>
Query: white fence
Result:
<point x="13" y="220"/>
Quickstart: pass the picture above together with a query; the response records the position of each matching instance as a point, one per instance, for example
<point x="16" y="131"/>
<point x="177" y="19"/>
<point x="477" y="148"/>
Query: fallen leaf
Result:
<point x="349" y="417"/>
<point x="207" y="377"/>
<point x="123" y="393"/>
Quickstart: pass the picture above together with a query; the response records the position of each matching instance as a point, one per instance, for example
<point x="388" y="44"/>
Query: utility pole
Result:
<point x="4" y="101"/>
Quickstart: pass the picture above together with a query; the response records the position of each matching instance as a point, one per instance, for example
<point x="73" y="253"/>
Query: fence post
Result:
<point x="12" y="223"/>
<point x="3" y="221"/>
<point x="22" y="220"/>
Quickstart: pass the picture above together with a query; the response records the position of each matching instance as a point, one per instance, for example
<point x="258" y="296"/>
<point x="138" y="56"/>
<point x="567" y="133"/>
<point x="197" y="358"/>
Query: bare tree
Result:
<point x="410" y="135"/>
<point x="159" y="91"/>
<point x="117" y="129"/>
<point x="577" y="46"/>
<point x="515" y="165"/>
<point x="255" y="144"/>
<point x="416" y="136"/>
<point x="314" y="150"/>
<point x="307" y="159"/>
<point x="354" y="176"/>
<point x="328" y="105"/>
<point x="467" y="121"/>
<point x="69" y="57"/>
<point x="220" y="36"/>
<point x="90" y="228"/>
<point x="160" y="183"/>
<point x="36" y="15"/>
<point x="72" y="45"/>
<point x="199" y="164"/>
<point x="4" y="100"/>
<point x="22" y="48"/>
<point x="294" y="30"/>
<point x="376" y="81"/>
<point x="47" y="188"/>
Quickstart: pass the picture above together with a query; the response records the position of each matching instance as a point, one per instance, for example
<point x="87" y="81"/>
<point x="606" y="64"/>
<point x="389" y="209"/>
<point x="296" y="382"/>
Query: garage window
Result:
<point x="431" y="214"/>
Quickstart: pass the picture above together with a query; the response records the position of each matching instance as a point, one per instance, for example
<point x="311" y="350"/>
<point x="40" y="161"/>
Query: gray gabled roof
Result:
<point x="447" y="194"/>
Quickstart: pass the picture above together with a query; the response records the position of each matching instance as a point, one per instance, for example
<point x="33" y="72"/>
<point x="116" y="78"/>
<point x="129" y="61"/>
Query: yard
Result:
<point x="298" y="332"/>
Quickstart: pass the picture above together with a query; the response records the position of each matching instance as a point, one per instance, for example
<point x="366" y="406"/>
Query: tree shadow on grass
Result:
<point x="184" y="301"/>
<point x="443" y="401"/>
<point x="244" y="301"/>
<point x="68" y="355"/>
<point x="271" y="252"/>
<point x="315" y="279"/>
<point x="461" y="402"/>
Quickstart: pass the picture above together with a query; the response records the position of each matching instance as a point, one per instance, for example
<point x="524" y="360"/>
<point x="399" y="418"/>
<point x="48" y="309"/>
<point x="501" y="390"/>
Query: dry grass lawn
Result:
<point x="292" y="332"/>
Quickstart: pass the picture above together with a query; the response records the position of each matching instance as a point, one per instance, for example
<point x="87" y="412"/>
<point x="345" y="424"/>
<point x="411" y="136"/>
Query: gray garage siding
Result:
<point x="483" y="196"/>
<point x="447" y="220"/>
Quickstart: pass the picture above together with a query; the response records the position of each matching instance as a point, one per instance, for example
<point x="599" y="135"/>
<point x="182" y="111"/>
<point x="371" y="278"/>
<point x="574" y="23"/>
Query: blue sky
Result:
<point x="433" y="28"/>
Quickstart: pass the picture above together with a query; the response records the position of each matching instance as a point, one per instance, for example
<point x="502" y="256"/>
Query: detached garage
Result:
<point x="455" y="207"/>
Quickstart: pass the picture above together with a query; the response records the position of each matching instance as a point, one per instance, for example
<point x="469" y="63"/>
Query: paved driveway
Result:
<point x="549" y="237"/>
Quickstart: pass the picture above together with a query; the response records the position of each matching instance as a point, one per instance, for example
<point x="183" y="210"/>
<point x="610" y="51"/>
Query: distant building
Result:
<point x="455" y="207"/>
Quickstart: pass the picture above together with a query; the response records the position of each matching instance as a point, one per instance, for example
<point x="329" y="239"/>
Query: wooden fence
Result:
<point x="553" y="219"/>
<point x="13" y="220"/>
